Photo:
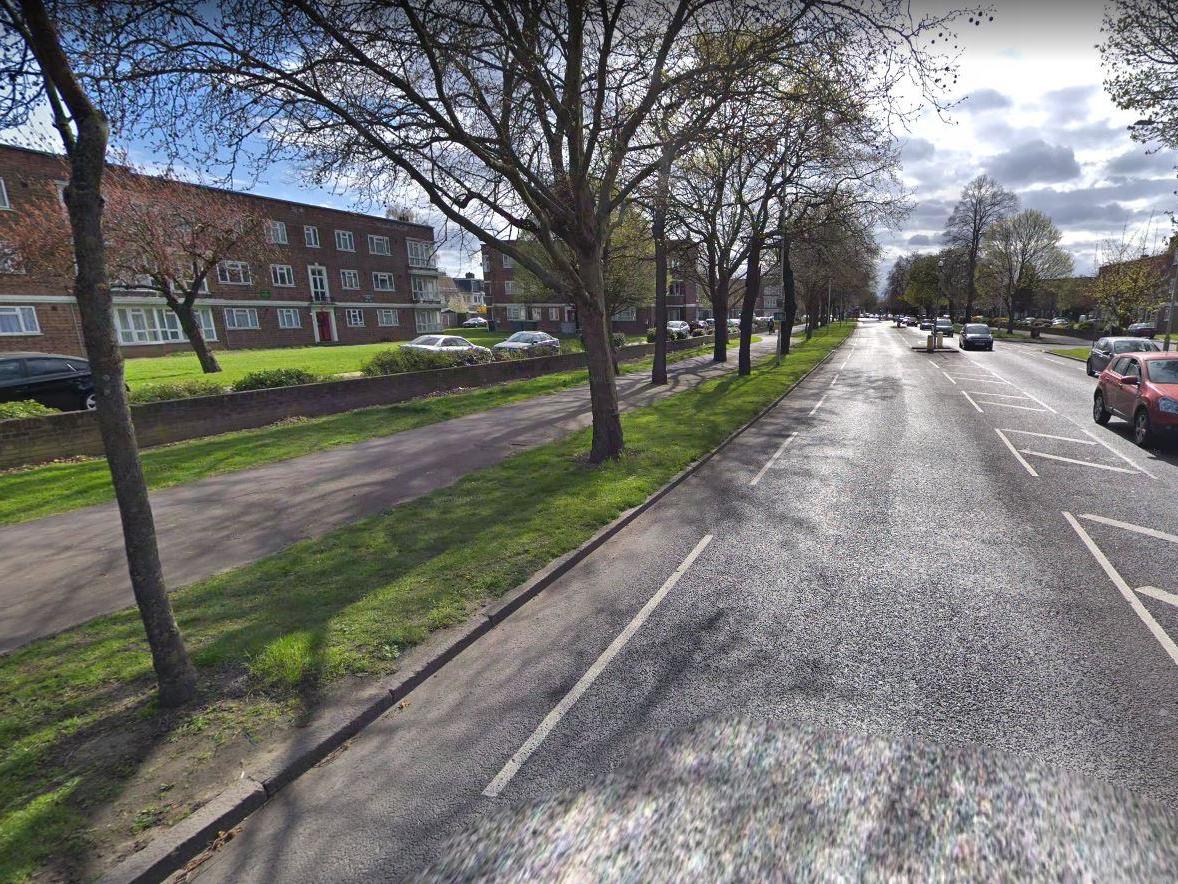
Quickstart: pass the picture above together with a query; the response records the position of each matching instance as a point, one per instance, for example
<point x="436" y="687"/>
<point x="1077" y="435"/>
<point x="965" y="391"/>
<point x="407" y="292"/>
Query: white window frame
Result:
<point x="277" y="233"/>
<point x="158" y="325"/>
<point x="317" y="272"/>
<point x="311" y="236"/>
<point x="478" y="299"/>
<point x="287" y="279"/>
<point x="26" y="320"/>
<point x="242" y="269"/>
<point x="627" y="314"/>
<point x="387" y="318"/>
<point x="427" y="327"/>
<point x="4" y="203"/>
<point x="354" y="317"/>
<point x="234" y="315"/>
<point x="379" y="276"/>
<point x="508" y="262"/>
<point x="345" y="236"/>
<point x="374" y="240"/>
<point x="421" y="253"/>
<point x="289" y="317"/>
<point x="424" y="289"/>
<point x="554" y="314"/>
<point x="349" y="279"/>
<point x="515" y="312"/>
<point x="509" y="287"/>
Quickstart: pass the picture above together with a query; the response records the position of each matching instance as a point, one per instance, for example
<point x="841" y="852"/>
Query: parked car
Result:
<point x="443" y="344"/>
<point x="911" y="322"/>
<point x="536" y="342"/>
<point x="709" y="325"/>
<point x="55" y="381"/>
<point x="1059" y="322"/>
<point x="1142" y="330"/>
<point x="1142" y="388"/>
<point x="475" y="322"/>
<point x="678" y="327"/>
<point x="926" y="325"/>
<point x="976" y="336"/>
<point x="944" y="327"/>
<point x="1106" y="348"/>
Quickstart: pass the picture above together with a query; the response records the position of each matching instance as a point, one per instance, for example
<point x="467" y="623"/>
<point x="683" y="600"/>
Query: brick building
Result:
<point x="341" y="277"/>
<point x="510" y="308"/>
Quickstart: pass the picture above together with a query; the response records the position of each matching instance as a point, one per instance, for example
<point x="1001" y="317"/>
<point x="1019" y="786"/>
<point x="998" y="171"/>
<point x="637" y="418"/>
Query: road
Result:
<point x="919" y="573"/>
<point x="65" y="569"/>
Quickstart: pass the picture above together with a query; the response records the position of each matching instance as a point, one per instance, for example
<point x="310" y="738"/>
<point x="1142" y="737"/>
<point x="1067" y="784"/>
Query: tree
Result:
<point x="160" y="236"/>
<point x="1126" y="284"/>
<point x="983" y="201"/>
<point x="1018" y="253"/>
<point x="39" y="72"/>
<point x="923" y="290"/>
<point x="1140" y="58"/>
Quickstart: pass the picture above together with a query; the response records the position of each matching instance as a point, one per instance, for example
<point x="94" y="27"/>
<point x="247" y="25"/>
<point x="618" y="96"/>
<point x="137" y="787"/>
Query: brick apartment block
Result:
<point x="345" y="277"/>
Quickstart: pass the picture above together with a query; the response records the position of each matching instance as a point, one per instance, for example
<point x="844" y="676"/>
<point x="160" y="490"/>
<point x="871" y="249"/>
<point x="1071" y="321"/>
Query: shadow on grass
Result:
<point x="77" y="716"/>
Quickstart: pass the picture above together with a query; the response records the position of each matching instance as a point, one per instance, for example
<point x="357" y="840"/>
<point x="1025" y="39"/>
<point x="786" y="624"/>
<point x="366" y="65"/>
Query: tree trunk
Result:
<point x="789" y="296"/>
<point x="603" y="390"/>
<point x="720" y="313"/>
<point x="971" y="290"/>
<point x="83" y="198"/>
<point x="186" y="313"/>
<point x="752" y="288"/>
<point x="658" y="371"/>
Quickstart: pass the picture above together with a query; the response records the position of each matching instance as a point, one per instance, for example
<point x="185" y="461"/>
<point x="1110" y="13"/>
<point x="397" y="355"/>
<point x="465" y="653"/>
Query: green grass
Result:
<point x="1080" y="353"/>
<point x="77" y="716"/>
<point x="56" y="488"/>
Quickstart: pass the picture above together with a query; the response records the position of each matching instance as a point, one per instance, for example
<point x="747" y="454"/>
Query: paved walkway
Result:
<point x="63" y="570"/>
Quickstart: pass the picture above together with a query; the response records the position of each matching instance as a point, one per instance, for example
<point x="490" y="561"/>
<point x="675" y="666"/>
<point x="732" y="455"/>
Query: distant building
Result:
<point x="1163" y="263"/>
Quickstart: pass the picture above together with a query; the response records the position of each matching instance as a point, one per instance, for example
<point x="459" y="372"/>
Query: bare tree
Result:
<point x="983" y="201"/>
<point x="40" y="71"/>
<point x="1020" y="251"/>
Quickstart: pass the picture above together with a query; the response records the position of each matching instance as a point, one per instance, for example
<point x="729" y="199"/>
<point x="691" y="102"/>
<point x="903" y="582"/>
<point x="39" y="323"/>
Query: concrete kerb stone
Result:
<point x="169" y="851"/>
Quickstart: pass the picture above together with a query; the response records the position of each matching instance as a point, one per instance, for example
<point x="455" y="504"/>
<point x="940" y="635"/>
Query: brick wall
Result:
<point x="40" y="439"/>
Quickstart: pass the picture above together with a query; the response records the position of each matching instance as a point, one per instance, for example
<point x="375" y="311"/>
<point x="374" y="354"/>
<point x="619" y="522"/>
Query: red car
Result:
<point x="1141" y="388"/>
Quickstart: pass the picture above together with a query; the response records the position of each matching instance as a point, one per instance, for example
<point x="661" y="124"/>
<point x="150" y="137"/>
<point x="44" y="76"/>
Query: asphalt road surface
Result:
<point x="918" y="622"/>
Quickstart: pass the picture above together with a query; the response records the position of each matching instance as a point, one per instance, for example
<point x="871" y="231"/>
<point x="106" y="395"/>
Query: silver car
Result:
<point x="535" y="342"/>
<point x="1106" y="348"/>
<point x="443" y="344"/>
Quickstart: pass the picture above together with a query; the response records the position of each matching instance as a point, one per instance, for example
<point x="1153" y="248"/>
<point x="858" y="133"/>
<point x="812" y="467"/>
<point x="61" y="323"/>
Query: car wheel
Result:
<point x="1142" y="434"/>
<point x="89" y="402"/>
<point x="1088" y="368"/>
<point x="1100" y="414"/>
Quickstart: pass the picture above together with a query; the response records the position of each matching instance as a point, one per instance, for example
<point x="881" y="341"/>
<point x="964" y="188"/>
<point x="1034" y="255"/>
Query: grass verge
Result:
<point x="91" y="763"/>
<point x="28" y="494"/>
<point x="1078" y="353"/>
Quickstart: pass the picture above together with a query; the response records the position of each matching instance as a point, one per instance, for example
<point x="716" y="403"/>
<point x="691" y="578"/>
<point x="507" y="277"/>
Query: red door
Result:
<point x="323" y="319"/>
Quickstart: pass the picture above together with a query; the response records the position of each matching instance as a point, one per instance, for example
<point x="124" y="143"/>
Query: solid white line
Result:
<point x="1114" y="451"/>
<point x="818" y="405"/>
<point x="773" y="459"/>
<point x="946" y="374"/>
<point x="1012" y="405"/>
<point x="1036" y="399"/>
<point x="983" y="381"/>
<point x="1030" y="469"/>
<point x="1148" y="532"/>
<point x="1119" y="582"/>
<point x="1085" y="463"/>
<point x="583" y="683"/>
<point x="1160" y="594"/>
<point x="971" y="402"/>
<point x="1050" y="436"/>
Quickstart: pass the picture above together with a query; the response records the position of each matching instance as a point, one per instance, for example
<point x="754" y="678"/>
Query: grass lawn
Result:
<point x="1080" y="353"/>
<point x="56" y="488"/>
<point x="90" y="763"/>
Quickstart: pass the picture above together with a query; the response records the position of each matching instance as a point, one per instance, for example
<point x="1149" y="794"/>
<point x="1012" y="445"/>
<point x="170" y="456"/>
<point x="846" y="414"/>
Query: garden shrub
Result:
<point x="403" y="359"/>
<point x="650" y="336"/>
<point x="23" y="408"/>
<point x="275" y="377"/>
<point x="617" y="340"/>
<point x="185" y="389"/>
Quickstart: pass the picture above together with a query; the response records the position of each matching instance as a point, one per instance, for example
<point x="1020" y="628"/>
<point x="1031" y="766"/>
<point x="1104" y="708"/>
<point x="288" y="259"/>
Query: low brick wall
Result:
<point x="40" y="439"/>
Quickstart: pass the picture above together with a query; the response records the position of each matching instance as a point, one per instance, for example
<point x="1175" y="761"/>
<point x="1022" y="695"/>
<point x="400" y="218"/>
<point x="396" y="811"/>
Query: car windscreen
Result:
<point x="426" y="340"/>
<point x="522" y="338"/>
<point x="1164" y="371"/>
<point x="1133" y="346"/>
<point x="975" y="329"/>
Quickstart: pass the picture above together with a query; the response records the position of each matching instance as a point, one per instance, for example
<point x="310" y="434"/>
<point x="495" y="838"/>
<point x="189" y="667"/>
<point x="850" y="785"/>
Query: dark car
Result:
<point x="926" y="325"/>
<point x="56" y="381"/>
<point x="1106" y="348"/>
<point x="944" y="327"/>
<point x="1142" y="330"/>
<point x="1142" y="388"/>
<point x="536" y="343"/>
<point x="976" y="336"/>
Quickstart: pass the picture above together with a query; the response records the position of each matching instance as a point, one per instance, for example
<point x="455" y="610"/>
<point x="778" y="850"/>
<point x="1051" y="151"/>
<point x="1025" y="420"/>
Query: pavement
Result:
<point x="916" y="623"/>
<point x="66" y="569"/>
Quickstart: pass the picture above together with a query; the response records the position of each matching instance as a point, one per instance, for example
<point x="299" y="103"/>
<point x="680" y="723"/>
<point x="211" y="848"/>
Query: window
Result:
<point x="678" y="290"/>
<point x="158" y="325"/>
<point x="345" y="241"/>
<point x="378" y="245"/>
<point x="233" y="273"/>
<point x="355" y="317"/>
<point x="429" y="320"/>
<point x="554" y="314"/>
<point x="311" y="235"/>
<point x="1132" y="370"/>
<point x="288" y="317"/>
<point x="241" y="317"/>
<point x="47" y="365"/>
<point x="1118" y="366"/>
<point x="477" y="298"/>
<point x="4" y="203"/>
<point x="515" y="312"/>
<point x="282" y="275"/>
<point x="629" y="314"/>
<point x="508" y="262"/>
<point x="425" y="288"/>
<point x="387" y="317"/>
<point x="486" y="263"/>
<point x="19" y="321"/>
<point x="317" y="273"/>
<point x="349" y="279"/>
<point x="382" y="282"/>
<point x="421" y="252"/>
<point x="278" y="232"/>
<point x="509" y="288"/>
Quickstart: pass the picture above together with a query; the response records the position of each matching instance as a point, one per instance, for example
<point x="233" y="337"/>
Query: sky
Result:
<point x="1035" y="116"/>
